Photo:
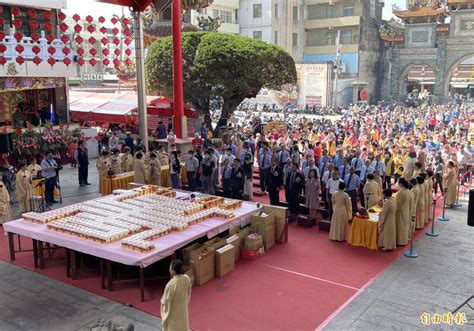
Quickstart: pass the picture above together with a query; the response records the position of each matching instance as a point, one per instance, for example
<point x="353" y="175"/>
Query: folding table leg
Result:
<point x="102" y="274"/>
<point x="109" y="275"/>
<point x="73" y="265"/>
<point x="35" y="253"/>
<point x="11" y="245"/>
<point x="41" y="254"/>
<point x="68" y="263"/>
<point x="142" y="284"/>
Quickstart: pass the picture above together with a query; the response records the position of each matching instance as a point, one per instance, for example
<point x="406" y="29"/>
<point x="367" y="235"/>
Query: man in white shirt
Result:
<point x="332" y="186"/>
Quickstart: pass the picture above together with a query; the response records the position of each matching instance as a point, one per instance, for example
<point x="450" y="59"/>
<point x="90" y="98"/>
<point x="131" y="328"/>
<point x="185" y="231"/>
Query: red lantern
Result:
<point x="2" y="35"/>
<point x="67" y="61"/>
<point x="33" y="25"/>
<point x="61" y="16"/>
<point x="47" y="15"/>
<point x="51" y="50"/>
<point x="101" y="19"/>
<point x="80" y="61"/>
<point x="2" y="21"/>
<point x="104" y="41"/>
<point x="115" y="30"/>
<point x="127" y="32"/>
<point x="65" y="39"/>
<point x="103" y="30"/>
<point x="52" y="61"/>
<point x="128" y="61"/>
<point x="15" y="11"/>
<point x="106" y="62"/>
<point x="31" y="13"/>
<point x="80" y="51"/>
<point x="127" y="41"/>
<point x="125" y="21"/>
<point x="48" y="26"/>
<point x="77" y="28"/>
<point x="92" y="40"/>
<point x="18" y="36"/>
<point x="76" y="17"/>
<point x="90" y="28"/>
<point x="79" y="39"/>
<point x="36" y="49"/>
<point x="37" y="60"/>
<point x="50" y="38"/>
<point x="92" y="62"/>
<point x="66" y="50"/>
<point x="117" y="51"/>
<point x="35" y="37"/>
<point x="128" y="51"/>
<point x="20" y="60"/>
<point x="3" y="48"/>
<point x="116" y="62"/>
<point x="116" y="41"/>
<point x="105" y="51"/>
<point x="17" y="23"/>
<point x="3" y="60"/>
<point x="93" y="51"/>
<point x="114" y="20"/>
<point x="63" y="26"/>
<point x="89" y="18"/>
<point x="19" y="48"/>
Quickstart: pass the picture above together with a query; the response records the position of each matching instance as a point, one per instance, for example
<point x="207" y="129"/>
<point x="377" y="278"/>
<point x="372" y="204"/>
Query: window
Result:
<point x="257" y="10"/>
<point x="346" y="37"/>
<point x="295" y="40"/>
<point x="226" y="16"/>
<point x="348" y="9"/>
<point x="296" y="13"/>
<point x="329" y="12"/>
<point x="276" y="38"/>
<point x="257" y="35"/>
<point x="215" y="13"/>
<point x="329" y="38"/>
<point x="276" y="10"/>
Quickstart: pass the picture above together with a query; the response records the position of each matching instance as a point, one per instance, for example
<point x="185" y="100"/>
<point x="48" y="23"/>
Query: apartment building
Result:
<point x="226" y="10"/>
<point x="279" y="22"/>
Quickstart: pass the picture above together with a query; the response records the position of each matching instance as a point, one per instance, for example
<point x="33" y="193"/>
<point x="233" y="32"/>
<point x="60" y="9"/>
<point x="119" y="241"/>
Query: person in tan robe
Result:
<point x="5" y="210"/>
<point x="420" y="203"/>
<point x="116" y="162"/>
<point x="103" y="165"/>
<point x="404" y="200"/>
<point x="154" y="170"/>
<point x="449" y="182"/>
<point x="415" y="189"/>
<point x="24" y="189"/>
<point x="387" y="225"/>
<point x="429" y="195"/>
<point x="139" y="168"/>
<point x="175" y="300"/>
<point x="372" y="192"/>
<point x="127" y="160"/>
<point x="342" y="213"/>
<point x="409" y="166"/>
<point x="162" y="156"/>
<point x="34" y="168"/>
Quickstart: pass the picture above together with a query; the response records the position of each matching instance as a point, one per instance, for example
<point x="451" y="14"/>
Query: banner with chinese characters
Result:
<point x="313" y="83"/>
<point x="10" y="84"/>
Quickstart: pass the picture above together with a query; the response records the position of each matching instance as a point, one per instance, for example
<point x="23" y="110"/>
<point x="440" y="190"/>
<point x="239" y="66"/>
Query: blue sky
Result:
<point x="387" y="11"/>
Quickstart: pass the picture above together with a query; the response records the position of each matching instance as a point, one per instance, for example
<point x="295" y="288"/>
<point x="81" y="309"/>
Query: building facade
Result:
<point x="226" y="10"/>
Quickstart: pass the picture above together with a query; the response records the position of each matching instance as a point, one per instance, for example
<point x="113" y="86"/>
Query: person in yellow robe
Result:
<point x="139" y="168"/>
<point x="103" y="165"/>
<point x="404" y="200"/>
<point x="429" y="193"/>
<point x="342" y="213"/>
<point x="116" y="162"/>
<point x="127" y="160"/>
<point x="409" y="166"/>
<point x="415" y="189"/>
<point x="34" y="168"/>
<point x="372" y="192"/>
<point x="175" y="300"/>
<point x="420" y="203"/>
<point x="24" y="189"/>
<point x="449" y="180"/>
<point x="154" y="170"/>
<point x="387" y="225"/>
<point x="5" y="210"/>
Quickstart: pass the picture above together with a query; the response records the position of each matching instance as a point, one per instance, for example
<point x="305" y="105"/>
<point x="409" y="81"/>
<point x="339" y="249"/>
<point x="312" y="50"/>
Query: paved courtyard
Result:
<point x="438" y="281"/>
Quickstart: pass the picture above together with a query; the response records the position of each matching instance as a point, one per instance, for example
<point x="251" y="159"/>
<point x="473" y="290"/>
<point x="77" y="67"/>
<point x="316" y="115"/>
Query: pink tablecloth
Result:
<point x="164" y="246"/>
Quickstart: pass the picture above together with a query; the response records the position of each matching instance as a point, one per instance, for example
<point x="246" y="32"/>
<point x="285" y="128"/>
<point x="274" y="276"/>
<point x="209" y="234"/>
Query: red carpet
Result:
<point x="294" y="286"/>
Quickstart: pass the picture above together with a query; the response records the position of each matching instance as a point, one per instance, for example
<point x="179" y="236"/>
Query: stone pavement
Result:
<point x="30" y="301"/>
<point x="438" y="281"/>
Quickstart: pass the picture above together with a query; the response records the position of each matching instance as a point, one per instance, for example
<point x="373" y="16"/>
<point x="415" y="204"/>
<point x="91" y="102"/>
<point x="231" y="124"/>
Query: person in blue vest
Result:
<point x="161" y="130"/>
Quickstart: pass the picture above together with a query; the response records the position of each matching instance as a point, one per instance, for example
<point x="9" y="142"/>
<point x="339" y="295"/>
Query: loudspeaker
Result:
<point x="6" y="143"/>
<point x="470" y="210"/>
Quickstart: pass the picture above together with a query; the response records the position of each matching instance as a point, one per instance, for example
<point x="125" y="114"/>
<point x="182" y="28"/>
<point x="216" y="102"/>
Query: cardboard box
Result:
<point x="225" y="260"/>
<point x="269" y="238"/>
<point x="187" y="251"/>
<point x="281" y="222"/>
<point x="234" y="229"/>
<point x="215" y="243"/>
<point x="203" y="262"/>
<point x="243" y="234"/>
<point x="254" y="241"/>
<point x="262" y="222"/>
<point x="235" y="241"/>
<point x="188" y="270"/>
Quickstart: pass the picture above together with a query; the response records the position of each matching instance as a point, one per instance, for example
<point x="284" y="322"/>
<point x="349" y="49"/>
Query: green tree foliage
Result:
<point x="219" y="66"/>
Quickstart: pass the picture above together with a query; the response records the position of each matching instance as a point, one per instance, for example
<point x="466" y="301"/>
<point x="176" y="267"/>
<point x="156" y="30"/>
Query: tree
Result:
<point x="219" y="66"/>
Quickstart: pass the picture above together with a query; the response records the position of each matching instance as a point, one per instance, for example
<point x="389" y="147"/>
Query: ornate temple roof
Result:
<point x="164" y="29"/>
<point x="442" y="28"/>
<point x="420" y="12"/>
